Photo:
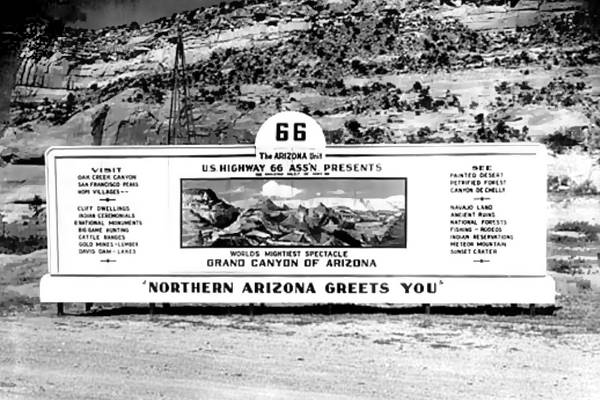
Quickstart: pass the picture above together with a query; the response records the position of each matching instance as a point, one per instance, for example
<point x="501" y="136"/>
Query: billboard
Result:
<point x="289" y="222"/>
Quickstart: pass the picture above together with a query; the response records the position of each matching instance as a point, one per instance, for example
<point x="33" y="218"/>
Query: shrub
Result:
<point x="558" y="142"/>
<point x="559" y="183"/>
<point x="573" y="265"/>
<point x="19" y="245"/>
<point x="590" y="231"/>
<point x="585" y="188"/>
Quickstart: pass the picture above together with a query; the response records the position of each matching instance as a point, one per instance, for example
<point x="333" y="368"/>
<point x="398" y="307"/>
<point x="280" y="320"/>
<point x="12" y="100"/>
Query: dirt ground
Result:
<point x="303" y="353"/>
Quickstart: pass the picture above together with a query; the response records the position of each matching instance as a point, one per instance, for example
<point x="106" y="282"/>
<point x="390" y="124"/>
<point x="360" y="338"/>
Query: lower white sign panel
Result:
<point x="438" y="290"/>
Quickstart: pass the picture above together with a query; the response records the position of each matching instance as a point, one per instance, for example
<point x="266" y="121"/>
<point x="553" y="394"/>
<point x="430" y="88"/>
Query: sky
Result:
<point x="232" y="190"/>
<point x="94" y="14"/>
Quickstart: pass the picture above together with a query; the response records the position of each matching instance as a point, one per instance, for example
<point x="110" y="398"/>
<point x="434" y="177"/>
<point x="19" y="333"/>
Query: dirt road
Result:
<point x="289" y="356"/>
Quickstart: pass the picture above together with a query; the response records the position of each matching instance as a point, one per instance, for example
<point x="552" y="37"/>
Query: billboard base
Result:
<point x="288" y="289"/>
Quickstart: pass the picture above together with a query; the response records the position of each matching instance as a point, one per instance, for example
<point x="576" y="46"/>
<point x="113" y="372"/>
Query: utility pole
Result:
<point x="181" y="129"/>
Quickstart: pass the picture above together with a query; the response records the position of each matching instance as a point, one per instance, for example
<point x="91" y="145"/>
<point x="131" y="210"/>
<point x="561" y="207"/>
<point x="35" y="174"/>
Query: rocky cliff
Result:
<point x="209" y="221"/>
<point x="368" y="70"/>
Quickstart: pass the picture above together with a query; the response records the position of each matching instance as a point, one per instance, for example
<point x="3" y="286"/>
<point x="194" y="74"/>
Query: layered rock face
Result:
<point x="370" y="71"/>
<point x="208" y="221"/>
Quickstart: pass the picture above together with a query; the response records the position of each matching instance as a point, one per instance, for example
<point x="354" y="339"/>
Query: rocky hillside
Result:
<point x="368" y="70"/>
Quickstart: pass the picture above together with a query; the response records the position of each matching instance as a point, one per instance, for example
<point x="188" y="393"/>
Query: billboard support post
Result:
<point x="532" y="310"/>
<point x="427" y="308"/>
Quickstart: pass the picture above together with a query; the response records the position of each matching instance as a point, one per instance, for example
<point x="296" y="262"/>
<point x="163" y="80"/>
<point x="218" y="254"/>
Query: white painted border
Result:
<point x="453" y="290"/>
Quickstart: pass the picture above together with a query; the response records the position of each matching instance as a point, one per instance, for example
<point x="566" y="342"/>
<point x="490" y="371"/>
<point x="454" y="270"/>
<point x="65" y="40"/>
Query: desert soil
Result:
<point x="194" y="354"/>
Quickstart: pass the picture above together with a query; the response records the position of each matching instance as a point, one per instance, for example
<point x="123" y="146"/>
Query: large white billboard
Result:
<point x="303" y="224"/>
